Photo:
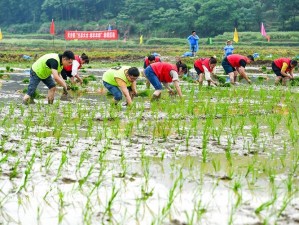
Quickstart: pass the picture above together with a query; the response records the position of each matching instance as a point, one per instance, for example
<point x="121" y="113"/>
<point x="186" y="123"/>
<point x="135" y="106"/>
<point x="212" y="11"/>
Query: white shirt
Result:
<point x="75" y="67"/>
<point x="207" y="72"/>
<point x="174" y="75"/>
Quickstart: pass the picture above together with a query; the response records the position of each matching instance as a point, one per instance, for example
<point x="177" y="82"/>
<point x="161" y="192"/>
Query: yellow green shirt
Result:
<point x="40" y="67"/>
<point x="116" y="72"/>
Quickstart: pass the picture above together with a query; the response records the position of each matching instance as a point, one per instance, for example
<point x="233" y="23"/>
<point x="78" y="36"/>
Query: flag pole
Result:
<point x="52" y="30"/>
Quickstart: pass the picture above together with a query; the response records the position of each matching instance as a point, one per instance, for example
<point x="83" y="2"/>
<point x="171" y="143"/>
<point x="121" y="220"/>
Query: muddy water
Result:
<point x="79" y="162"/>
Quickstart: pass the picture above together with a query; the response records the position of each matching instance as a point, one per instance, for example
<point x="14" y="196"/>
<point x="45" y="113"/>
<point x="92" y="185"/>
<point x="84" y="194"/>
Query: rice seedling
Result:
<point x="48" y="162"/>
<point x="63" y="160"/>
<point x="108" y="207"/>
<point x="228" y="152"/>
<point x="216" y="164"/>
<point x="61" y="204"/>
<point x="85" y="155"/>
<point x="266" y="204"/>
<point x="178" y="182"/>
<point x="14" y="170"/>
<point x="123" y="164"/>
<point x="85" y="178"/>
<point x="27" y="172"/>
<point x="87" y="212"/>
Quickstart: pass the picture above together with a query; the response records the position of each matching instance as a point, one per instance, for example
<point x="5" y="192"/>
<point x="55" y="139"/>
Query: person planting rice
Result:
<point x="235" y="64"/>
<point x="42" y="69"/>
<point x="166" y="73"/>
<point x="121" y="80"/>
<point x="283" y="68"/>
<point x="147" y="61"/>
<point x="71" y="71"/>
<point x="204" y="67"/>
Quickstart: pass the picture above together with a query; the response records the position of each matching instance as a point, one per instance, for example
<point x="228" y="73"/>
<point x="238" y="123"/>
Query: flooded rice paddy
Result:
<point x="220" y="155"/>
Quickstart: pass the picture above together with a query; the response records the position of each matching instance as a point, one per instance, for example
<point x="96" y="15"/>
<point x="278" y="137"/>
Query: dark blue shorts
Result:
<point x="227" y="67"/>
<point x="198" y="71"/>
<point x="276" y="70"/>
<point x="34" y="81"/>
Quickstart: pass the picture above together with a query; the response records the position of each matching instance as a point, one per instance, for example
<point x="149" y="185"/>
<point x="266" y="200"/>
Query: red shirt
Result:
<point x="199" y="63"/>
<point x="279" y="63"/>
<point x="146" y="61"/>
<point x="162" y="71"/>
<point x="234" y="60"/>
<point x="69" y="68"/>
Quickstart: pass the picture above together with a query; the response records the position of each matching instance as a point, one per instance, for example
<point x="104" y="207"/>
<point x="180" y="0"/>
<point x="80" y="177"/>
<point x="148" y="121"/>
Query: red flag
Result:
<point x="52" y="28"/>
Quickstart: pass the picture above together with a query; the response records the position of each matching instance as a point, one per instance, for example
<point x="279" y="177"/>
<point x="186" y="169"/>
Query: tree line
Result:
<point x="155" y="18"/>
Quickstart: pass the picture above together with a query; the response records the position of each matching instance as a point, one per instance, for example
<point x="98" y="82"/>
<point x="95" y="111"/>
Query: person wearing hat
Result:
<point x="228" y="49"/>
<point x="283" y="68"/>
<point x="235" y="64"/>
<point x="163" y="72"/>
<point x="71" y="71"/>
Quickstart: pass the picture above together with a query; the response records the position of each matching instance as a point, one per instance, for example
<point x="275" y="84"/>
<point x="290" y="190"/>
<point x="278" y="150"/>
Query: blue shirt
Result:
<point x="193" y="40"/>
<point x="228" y="50"/>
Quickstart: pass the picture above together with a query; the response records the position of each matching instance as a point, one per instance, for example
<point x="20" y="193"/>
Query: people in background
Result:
<point x="229" y="48"/>
<point x="193" y="42"/>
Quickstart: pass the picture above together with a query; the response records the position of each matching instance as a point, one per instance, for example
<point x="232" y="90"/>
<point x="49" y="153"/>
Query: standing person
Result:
<point x="42" y="69"/>
<point x="193" y="42"/>
<point x="281" y="67"/>
<point x="204" y="67"/>
<point x="165" y="73"/>
<point x="72" y="70"/>
<point x="235" y="64"/>
<point x="147" y="61"/>
<point x="229" y="48"/>
<point x="121" y="80"/>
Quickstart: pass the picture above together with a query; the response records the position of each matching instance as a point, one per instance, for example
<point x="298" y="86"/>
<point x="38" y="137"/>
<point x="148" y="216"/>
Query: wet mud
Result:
<point x="217" y="160"/>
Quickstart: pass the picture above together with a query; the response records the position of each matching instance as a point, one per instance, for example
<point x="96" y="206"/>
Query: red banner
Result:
<point x="91" y="35"/>
<point x="52" y="28"/>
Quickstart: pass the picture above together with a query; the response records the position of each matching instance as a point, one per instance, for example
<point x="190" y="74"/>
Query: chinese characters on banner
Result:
<point x="91" y="35"/>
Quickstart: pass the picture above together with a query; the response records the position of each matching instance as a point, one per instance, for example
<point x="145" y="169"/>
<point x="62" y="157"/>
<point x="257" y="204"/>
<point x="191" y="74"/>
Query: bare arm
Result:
<point x="177" y="87"/>
<point x="126" y="93"/>
<point x="58" y="79"/>
<point x="166" y="85"/>
<point x="134" y="88"/>
<point x="242" y="72"/>
<point x="79" y="78"/>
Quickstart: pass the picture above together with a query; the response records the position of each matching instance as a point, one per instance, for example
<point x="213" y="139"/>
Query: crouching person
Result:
<point x="166" y="73"/>
<point x="121" y="80"/>
<point x="283" y="68"/>
<point x="204" y="67"/>
<point x="42" y="69"/>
